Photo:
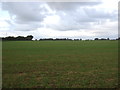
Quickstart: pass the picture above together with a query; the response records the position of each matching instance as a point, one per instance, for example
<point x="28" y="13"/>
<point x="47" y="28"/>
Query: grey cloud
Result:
<point x="30" y="16"/>
<point x="25" y="11"/>
<point x="24" y="26"/>
<point x="78" y="16"/>
<point x="73" y="20"/>
<point x="100" y="13"/>
<point x="70" y="5"/>
<point x="25" y="16"/>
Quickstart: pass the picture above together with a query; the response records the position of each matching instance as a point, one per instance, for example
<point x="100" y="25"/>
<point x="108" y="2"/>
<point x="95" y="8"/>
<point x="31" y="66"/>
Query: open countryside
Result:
<point x="60" y="64"/>
<point x="59" y="44"/>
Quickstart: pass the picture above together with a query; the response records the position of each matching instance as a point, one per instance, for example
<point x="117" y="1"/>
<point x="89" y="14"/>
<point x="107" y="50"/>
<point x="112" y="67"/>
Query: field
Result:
<point x="60" y="64"/>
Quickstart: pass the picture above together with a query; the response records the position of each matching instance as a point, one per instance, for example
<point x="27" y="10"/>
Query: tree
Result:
<point x="119" y="38"/>
<point x="108" y="39"/>
<point x="20" y="38"/>
<point x="80" y="39"/>
<point x="96" y="39"/>
<point x="29" y="37"/>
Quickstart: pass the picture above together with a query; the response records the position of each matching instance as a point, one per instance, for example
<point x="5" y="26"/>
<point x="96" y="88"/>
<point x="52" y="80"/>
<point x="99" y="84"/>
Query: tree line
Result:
<point x="42" y="39"/>
<point x="19" y="38"/>
<point x="106" y="39"/>
<point x="30" y="37"/>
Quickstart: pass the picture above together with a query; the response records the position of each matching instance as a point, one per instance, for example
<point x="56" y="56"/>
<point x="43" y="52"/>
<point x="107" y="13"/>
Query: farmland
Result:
<point x="60" y="64"/>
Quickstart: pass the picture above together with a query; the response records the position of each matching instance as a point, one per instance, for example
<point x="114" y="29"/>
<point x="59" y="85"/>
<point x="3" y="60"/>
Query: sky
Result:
<point x="86" y="20"/>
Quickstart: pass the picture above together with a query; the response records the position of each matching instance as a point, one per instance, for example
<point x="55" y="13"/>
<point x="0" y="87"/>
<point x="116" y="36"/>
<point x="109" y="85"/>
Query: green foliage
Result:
<point x="61" y="64"/>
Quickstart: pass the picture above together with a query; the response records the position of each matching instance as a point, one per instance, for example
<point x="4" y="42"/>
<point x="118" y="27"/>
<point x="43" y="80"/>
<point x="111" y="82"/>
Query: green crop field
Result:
<point x="60" y="64"/>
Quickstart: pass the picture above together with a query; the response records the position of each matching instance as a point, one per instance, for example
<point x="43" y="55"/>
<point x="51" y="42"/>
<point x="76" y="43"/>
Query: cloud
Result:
<point x="68" y="6"/>
<point x="25" y="16"/>
<point x="92" y="18"/>
<point x="101" y="13"/>
<point x="76" y="16"/>
<point x="26" y="12"/>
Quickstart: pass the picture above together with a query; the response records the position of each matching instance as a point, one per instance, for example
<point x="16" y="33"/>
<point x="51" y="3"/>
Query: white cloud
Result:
<point x="72" y="20"/>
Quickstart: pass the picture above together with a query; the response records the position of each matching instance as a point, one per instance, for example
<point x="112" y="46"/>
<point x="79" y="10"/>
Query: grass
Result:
<point x="60" y="64"/>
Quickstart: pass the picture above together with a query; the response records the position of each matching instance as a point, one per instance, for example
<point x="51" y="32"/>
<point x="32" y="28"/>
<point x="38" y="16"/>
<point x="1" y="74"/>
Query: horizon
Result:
<point x="117" y="38"/>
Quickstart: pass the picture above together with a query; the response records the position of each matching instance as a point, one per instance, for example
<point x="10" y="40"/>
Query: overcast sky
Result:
<point x="60" y="19"/>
